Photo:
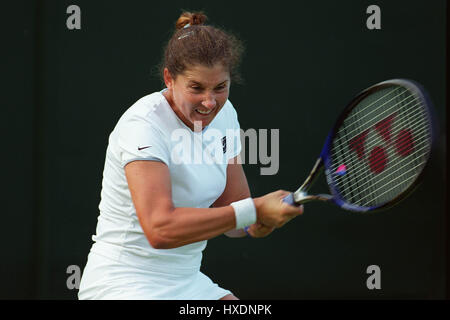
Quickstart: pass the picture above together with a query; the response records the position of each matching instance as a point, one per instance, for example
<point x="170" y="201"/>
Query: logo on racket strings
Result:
<point x="341" y="170"/>
<point x="377" y="157"/>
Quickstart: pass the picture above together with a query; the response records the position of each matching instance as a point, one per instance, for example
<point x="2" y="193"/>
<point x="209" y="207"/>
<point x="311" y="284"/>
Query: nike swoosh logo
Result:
<point x="141" y="148"/>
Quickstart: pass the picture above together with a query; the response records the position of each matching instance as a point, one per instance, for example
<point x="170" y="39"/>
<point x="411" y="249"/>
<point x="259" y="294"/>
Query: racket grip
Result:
<point x="289" y="199"/>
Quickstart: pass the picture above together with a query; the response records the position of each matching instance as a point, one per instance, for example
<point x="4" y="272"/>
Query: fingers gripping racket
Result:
<point x="377" y="150"/>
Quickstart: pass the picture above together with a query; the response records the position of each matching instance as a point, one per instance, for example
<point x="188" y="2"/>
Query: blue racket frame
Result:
<point x="324" y="160"/>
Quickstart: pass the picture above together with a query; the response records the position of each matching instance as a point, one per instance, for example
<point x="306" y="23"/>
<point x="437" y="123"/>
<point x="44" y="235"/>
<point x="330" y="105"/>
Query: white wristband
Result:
<point x="245" y="212"/>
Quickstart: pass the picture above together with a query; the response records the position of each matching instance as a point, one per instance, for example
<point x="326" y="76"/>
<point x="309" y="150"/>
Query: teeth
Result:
<point x="203" y="112"/>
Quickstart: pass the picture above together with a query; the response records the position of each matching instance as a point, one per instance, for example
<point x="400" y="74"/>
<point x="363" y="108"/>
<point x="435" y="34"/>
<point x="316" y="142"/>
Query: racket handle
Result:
<point x="303" y="197"/>
<point x="289" y="199"/>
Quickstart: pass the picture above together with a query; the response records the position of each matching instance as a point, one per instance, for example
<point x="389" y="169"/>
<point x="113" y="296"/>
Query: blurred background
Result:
<point x="66" y="89"/>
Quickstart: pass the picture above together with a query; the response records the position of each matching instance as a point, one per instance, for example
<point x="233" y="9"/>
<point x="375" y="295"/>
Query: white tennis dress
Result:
<point x="122" y="264"/>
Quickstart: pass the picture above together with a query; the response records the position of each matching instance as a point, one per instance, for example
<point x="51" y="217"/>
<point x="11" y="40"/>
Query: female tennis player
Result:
<point x="158" y="210"/>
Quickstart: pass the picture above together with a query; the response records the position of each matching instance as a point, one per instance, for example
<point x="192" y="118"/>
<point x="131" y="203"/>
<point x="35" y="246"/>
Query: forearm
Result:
<point x="181" y="226"/>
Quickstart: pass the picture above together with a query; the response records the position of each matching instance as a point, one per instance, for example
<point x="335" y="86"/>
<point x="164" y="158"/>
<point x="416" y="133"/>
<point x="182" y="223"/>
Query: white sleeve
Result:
<point x="233" y="140"/>
<point x="141" y="140"/>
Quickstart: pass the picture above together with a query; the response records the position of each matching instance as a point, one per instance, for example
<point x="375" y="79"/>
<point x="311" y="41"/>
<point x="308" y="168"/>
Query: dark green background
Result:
<point x="65" y="90"/>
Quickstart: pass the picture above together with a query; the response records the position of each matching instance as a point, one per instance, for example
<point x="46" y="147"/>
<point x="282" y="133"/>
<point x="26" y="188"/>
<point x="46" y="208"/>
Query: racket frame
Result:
<point x="324" y="162"/>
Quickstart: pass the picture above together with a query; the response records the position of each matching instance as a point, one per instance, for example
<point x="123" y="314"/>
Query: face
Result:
<point x="198" y="94"/>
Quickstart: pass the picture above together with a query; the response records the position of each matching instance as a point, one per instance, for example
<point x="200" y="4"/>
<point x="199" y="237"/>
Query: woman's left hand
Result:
<point x="258" y="230"/>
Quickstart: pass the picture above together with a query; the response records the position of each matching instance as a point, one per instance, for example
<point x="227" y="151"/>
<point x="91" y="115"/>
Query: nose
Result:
<point x="209" y="101"/>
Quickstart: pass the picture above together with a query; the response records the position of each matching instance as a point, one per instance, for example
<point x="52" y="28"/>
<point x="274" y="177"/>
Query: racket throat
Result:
<point x="301" y="196"/>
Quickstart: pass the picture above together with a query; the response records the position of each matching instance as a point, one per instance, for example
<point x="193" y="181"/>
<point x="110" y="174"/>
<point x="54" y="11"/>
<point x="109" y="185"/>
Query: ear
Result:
<point x="168" y="80"/>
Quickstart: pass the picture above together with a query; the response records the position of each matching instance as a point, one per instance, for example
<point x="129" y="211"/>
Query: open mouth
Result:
<point x="203" y="112"/>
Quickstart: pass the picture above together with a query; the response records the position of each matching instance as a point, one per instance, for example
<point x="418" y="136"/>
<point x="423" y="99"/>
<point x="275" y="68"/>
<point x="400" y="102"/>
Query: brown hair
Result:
<point x="201" y="44"/>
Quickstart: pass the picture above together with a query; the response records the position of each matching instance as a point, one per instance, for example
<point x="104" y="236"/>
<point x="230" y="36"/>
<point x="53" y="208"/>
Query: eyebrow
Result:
<point x="201" y="84"/>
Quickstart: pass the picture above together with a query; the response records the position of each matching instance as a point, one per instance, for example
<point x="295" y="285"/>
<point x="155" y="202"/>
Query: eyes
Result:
<point x="198" y="89"/>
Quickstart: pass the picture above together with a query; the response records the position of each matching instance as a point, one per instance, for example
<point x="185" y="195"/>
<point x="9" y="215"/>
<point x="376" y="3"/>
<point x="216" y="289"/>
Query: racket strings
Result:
<point x="419" y="128"/>
<point x="395" y="174"/>
<point x="396" y="177"/>
<point x="420" y="124"/>
<point x="345" y="189"/>
<point x="381" y="159"/>
<point x="368" y="124"/>
<point x="403" y="158"/>
<point x="401" y="148"/>
<point x="358" y="112"/>
<point x="366" y="186"/>
<point x="374" y="102"/>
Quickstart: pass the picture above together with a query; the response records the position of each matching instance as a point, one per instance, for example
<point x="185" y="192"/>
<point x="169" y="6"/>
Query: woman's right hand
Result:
<point x="273" y="212"/>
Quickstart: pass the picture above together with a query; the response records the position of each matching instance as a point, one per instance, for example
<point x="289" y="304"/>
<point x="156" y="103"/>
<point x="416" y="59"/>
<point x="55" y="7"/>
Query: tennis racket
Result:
<point x="377" y="150"/>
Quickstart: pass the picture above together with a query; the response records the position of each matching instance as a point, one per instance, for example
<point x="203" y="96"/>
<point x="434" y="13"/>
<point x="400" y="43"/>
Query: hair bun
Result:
<point x="190" y="18"/>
